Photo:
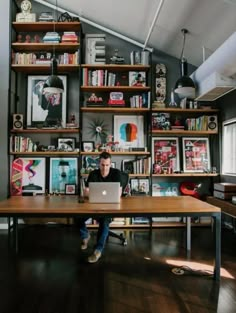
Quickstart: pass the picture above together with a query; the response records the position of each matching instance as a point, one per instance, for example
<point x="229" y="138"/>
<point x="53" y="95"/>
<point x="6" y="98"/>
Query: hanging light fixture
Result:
<point x="54" y="84"/>
<point x="184" y="86"/>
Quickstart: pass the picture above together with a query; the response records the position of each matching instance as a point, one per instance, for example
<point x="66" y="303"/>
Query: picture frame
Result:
<point x="45" y="109"/>
<point x="70" y="189"/>
<point x="113" y="164"/>
<point x="128" y="130"/>
<point x="62" y="171"/>
<point x="196" y="154"/>
<point x="66" y="144"/>
<point x="88" y="146"/>
<point x="165" y="155"/>
<point x="32" y="176"/>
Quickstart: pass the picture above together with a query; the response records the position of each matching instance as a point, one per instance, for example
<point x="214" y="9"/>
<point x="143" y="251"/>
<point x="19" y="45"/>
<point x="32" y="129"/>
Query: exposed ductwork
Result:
<point x="217" y="75"/>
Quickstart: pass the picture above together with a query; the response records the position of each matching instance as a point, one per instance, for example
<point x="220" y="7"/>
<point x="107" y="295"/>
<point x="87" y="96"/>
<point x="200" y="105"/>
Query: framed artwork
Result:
<point x="70" y="189"/>
<point x="165" y="154"/>
<point x="90" y="163"/>
<point x="88" y="146"/>
<point x="30" y="177"/>
<point x="63" y="171"/>
<point x="45" y="109"/>
<point x="66" y="144"/>
<point x="196" y="154"/>
<point x="129" y="131"/>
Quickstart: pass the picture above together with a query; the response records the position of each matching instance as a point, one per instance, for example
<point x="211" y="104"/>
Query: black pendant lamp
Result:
<point x="184" y="86"/>
<point x="53" y="84"/>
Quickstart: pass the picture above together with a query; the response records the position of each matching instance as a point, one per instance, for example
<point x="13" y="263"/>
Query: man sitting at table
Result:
<point x="105" y="173"/>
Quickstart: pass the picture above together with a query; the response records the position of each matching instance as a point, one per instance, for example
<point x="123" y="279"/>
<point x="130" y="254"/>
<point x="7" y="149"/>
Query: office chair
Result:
<point x="124" y="183"/>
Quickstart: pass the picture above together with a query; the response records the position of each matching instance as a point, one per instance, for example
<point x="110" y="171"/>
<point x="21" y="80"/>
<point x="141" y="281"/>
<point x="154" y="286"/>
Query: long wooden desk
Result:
<point x="69" y="206"/>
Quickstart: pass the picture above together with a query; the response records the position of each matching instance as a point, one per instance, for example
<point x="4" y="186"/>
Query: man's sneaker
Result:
<point x="94" y="257"/>
<point x="84" y="244"/>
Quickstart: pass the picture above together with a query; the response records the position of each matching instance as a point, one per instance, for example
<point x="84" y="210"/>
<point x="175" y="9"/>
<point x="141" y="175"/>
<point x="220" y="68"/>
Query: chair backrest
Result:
<point x="124" y="182"/>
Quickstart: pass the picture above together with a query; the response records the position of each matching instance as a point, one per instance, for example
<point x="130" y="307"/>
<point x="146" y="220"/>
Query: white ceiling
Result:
<point x="209" y="22"/>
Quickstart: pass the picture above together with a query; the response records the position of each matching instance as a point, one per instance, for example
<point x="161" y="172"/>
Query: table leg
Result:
<point x="217" y="242"/>
<point x="15" y="232"/>
<point x="188" y="233"/>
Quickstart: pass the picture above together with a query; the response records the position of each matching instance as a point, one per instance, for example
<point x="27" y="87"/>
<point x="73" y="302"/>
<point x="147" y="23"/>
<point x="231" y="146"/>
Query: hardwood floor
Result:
<point x="50" y="273"/>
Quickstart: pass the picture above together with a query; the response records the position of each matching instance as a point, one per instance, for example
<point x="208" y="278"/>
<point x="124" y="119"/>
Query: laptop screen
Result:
<point x="101" y="192"/>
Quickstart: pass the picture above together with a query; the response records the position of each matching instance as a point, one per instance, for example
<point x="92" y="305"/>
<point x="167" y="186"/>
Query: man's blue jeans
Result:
<point x="103" y="231"/>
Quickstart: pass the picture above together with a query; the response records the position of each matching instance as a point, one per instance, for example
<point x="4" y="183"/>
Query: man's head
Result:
<point x="104" y="163"/>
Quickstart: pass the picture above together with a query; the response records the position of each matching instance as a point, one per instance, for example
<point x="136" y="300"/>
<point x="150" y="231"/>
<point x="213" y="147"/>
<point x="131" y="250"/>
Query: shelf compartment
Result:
<point x="184" y="132"/>
<point x="46" y="26"/>
<point x="187" y="175"/>
<point x="113" y="88"/>
<point x="46" y="131"/>
<point x="117" y="67"/>
<point x="118" y="153"/>
<point x="46" y="153"/>
<point x="34" y="47"/>
<point x="114" y="109"/>
<point x="40" y="68"/>
<point x="179" y="110"/>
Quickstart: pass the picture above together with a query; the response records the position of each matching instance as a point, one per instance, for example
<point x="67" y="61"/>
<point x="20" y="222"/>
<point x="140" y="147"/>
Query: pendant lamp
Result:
<point x="53" y="84"/>
<point x="184" y="86"/>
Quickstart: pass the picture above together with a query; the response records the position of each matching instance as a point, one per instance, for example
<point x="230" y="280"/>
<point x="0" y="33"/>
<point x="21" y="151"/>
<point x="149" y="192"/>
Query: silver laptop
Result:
<point x="104" y="192"/>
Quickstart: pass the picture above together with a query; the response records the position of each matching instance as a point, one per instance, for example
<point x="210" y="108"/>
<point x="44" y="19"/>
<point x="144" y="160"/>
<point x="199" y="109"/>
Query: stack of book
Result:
<point x="46" y="17"/>
<point x="69" y="37"/>
<point x="51" y="37"/>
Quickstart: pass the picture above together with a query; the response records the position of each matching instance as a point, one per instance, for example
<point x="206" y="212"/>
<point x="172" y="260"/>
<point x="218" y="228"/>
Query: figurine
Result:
<point x="27" y="38"/>
<point x="26" y="15"/>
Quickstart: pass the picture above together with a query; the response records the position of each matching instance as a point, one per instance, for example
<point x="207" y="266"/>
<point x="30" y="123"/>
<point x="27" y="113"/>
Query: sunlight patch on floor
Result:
<point x="195" y="266"/>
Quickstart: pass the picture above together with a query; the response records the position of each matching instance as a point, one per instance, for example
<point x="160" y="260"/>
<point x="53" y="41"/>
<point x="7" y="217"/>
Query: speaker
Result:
<point x="212" y="123"/>
<point x="17" y="121"/>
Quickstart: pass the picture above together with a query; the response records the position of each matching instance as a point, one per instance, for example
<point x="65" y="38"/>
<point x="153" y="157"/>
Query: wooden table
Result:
<point x="69" y="206"/>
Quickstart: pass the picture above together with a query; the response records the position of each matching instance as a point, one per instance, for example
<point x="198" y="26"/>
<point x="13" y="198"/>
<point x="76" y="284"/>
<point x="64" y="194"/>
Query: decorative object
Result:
<point x="196" y="154"/>
<point x="26" y="15"/>
<point x="184" y="86"/>
<point x="62" y="171"/>
<point x="160" y="85"/>
<point x="129" y="130"/>
<point x="137" y="79"/>
<point x="94" y="100"/>
<point x="43" y="108"/>
<point x="98" y="129"/>
<point x="70" y="189"/>
<point x="165" y="155"/>
<point x="116" y="99"/>
<point x="32" y="176"/>
<point x="66" y="144"/>
<point x="88" y="146"/>
<point x="116" y="59"/>
<point x="90" y="163"/>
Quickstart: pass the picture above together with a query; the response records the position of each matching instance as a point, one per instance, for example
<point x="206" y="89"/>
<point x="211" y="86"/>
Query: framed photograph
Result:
<point x="63" y="171"/>
<point x="70" y="189"/>
<point x="143" y="185"/>
<point x="32" y="176"/>
<point x="45" y="109"/>
<point x="88" y="146"/>
<point x="66" y="144"/>
<point x="165" y="154"/>
<point x="113" y="164"/>
<point x="129" y="131"/>
<point x="196" y="154"/>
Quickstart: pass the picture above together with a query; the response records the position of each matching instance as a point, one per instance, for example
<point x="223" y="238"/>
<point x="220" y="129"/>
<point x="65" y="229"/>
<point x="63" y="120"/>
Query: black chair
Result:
<point x="124" y="183"/>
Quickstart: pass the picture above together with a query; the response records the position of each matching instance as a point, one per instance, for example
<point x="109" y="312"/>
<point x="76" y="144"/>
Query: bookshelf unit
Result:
<point x="46" y="137"/>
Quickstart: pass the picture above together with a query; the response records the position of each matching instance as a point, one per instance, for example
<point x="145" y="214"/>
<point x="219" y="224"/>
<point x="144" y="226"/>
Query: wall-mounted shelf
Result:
<point x="184" y="132"/>
<point x="45" y="26"/>
<point x="46" y="131"/>
<point x="41" y="68"/>
<point x="114" y="109"/>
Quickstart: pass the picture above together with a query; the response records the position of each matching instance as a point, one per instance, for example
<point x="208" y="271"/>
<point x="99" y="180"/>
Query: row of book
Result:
<point x="106" y="78"/>
<point x="137" y="166"/>
<point x="22" y="144"/>
<point x="141" y="101"/>
<point x="44" y="58"/>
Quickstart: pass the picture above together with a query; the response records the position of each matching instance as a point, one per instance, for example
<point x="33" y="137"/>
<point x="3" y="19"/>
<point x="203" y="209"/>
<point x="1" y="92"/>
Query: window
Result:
<point x="229" y="147"/>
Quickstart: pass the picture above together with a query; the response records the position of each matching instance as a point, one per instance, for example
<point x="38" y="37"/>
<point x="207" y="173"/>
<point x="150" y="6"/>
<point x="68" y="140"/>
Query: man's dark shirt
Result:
<point x="113" y="176"/>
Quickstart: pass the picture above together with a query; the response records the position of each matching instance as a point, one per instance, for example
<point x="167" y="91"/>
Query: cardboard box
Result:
<point x="225" y="187"/>
<point x="223" y="195"/>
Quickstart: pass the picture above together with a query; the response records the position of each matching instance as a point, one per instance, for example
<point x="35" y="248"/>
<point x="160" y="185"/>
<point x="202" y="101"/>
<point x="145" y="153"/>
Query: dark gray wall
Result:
<point x="4" y="90"/>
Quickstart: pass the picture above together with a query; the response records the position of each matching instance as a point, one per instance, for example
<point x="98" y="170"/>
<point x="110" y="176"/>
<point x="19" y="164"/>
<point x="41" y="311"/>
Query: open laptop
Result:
<point x="104" y="192"/>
